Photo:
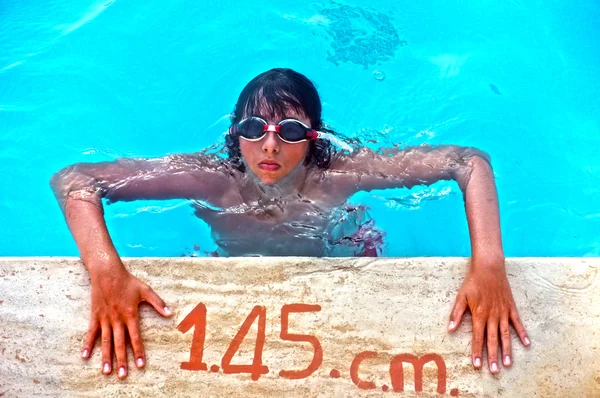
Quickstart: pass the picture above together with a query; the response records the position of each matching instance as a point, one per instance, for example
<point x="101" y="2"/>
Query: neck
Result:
<point x="290" y="185"/>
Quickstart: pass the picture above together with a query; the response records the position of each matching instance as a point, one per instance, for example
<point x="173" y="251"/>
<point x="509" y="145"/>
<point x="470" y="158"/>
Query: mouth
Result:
<point x="269" y="165"/>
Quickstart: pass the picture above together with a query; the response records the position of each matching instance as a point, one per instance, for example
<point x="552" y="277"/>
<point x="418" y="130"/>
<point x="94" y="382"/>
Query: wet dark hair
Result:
<point x="274" y="92"/>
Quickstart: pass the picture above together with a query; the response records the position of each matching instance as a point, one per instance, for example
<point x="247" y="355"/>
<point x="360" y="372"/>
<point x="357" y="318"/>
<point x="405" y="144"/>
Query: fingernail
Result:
<point x="122" y="372"/>
<point x="140" y="362"/>
<point x="477" y="362"/>
<point x="106" y="368"/>
<point x="506" y="360"/>
<point x="84" y="354"/>
<point x="494" y="367"/>
<point x="451" y="325"/>
<point x="527" y="342"/>
<point x="168" y="311"/>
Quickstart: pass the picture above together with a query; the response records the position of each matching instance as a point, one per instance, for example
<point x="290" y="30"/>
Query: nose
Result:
<point x="271" y="143"/>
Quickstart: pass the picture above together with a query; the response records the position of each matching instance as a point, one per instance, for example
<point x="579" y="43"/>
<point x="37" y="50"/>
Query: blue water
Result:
<point x="93" y="81"/>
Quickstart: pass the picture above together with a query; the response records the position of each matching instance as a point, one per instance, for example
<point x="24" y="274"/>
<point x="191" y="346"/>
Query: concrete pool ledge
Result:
<point x="384" y="307"/>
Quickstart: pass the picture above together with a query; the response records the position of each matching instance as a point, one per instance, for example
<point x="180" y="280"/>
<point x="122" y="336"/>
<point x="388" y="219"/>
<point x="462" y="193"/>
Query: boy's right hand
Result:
<point x="115" y="299"/>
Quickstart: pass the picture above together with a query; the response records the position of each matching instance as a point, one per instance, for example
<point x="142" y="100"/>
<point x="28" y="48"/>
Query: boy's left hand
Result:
<point x="486" y="292"/>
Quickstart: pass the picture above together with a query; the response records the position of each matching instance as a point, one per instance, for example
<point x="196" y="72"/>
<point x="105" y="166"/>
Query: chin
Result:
<point x="268" y="180"/>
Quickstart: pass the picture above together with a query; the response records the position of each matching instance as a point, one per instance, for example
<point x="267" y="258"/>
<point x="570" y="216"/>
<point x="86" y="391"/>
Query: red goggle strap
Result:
<point x="312" y="135"/>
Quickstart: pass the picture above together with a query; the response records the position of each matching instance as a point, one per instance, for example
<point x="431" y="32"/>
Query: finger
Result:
<point x="505" y="339"/>
<point x="460" y="306"/>
<point x="492" y="344"/>
<point x="159" y="305"/>
<point x="477" y="346"/>
<point x="133" y="327"/>
<point x="120" y="349"/>
<point x="106" y="349"/>
<point x="90" y="338"/>
<point x="518" y="325"/>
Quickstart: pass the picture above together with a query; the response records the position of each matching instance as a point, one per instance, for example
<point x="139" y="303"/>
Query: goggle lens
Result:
<point x="251" y="128"/>
<point x="292" y="131"/>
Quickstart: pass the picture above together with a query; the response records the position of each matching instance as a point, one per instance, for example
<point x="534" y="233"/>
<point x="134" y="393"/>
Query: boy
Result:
<point x="278" y="193"/>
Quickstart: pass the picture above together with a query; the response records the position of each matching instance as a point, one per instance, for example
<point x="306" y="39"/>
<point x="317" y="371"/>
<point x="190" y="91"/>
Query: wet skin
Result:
<point x="285" y="204"/>
<point x="272" y="159"/>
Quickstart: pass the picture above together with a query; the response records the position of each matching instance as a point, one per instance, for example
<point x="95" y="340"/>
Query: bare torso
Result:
<point x="303" y="216"/>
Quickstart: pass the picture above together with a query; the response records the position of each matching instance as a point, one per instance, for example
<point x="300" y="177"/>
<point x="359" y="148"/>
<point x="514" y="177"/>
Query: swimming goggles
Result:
<point x="291" y="131"/>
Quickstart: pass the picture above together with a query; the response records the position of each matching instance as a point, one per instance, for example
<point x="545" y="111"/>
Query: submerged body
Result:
<point x="292" y="226"/>
<point x="254" y="219"/>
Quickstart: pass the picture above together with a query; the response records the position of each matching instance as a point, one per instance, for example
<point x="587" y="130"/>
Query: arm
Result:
<point x="483" y="215"/>
<point x="485" y="290"/>
<point x="425" y="165"/>
<point x="115" y="292"/>
<point x="80" y="188"/>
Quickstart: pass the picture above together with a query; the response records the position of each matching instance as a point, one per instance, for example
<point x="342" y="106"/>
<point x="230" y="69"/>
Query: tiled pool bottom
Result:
<point x="385" y="306"/>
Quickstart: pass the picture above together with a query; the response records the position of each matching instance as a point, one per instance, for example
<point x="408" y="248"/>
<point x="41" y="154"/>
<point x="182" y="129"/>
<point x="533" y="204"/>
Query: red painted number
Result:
<point x="257" y="368"/>
<point x="318" y="356"/>
<point x="197" y="320"/>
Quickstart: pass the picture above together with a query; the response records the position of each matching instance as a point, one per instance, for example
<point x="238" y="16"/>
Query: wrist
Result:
<point x="105" y="267"/>
<point x="488" y="261"/>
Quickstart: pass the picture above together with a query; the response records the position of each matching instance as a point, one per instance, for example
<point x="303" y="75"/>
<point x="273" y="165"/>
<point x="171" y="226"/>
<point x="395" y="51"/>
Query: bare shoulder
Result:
<point x="331" y="186"/>
<point x="346" y="170"/>
<point x="355" y="161"/>
<point x="198" y="164"/>
<point x="206" y="177"/>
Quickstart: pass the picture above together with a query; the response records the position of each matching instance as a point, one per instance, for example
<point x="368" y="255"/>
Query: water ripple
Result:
<point x="27" y="27"/>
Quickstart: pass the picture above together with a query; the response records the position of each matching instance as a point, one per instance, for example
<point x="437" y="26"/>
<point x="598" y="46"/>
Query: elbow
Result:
<point x="469" y="160"/>
<point x="58" y="179"/>
<point x="470" y="155"/>
<point x="72" y="179"/>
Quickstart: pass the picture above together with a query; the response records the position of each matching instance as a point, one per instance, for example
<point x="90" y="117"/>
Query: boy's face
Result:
<point x="270" y="158"/>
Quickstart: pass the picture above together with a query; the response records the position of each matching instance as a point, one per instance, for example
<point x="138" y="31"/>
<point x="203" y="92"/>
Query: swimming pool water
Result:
<point x="92" y="81"/>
